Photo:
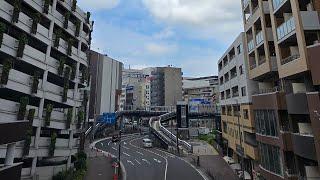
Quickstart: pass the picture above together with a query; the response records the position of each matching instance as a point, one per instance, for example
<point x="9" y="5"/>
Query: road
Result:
<point x="151" y="163"/>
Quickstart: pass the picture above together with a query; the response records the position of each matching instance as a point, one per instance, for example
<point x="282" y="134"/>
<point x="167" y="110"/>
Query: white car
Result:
<point x="147" y="143"/>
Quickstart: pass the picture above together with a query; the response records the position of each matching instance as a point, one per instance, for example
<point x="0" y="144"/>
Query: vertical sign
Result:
<point x="182" y="115"/>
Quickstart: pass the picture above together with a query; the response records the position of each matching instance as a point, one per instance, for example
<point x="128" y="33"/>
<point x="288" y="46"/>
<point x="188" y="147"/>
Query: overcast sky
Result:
<point x="191" y="34"/>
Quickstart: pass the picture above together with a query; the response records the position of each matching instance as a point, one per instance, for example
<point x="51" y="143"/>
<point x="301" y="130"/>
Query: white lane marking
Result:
<point x="125" y="147"/>
<point x="124" y="143"/>
<point x="156" y="160"/>
<point x="102" y="144"/>
<point x="139" y="153"/>
<point x="130" y="162"/>
<point x="137" y="161"/>
<point x="109" y="143"/>
<point x="114" y="144"/>
<point x="114" y="148"/>
<point x="126" y="154"/>
<point x="146" y="161"/>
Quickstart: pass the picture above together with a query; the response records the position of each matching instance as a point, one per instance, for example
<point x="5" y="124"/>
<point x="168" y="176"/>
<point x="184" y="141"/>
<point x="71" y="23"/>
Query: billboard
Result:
<point x="107" y="118"/>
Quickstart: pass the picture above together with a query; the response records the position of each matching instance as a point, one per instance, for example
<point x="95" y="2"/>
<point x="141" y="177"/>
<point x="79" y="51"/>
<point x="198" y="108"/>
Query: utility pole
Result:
<point x="119" y="155"/>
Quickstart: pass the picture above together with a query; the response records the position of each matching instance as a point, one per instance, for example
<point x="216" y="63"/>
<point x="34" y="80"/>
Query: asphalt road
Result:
<point x="151" y="163"/>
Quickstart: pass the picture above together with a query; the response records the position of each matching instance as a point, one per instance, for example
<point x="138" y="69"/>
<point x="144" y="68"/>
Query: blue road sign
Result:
<point x="107" y="118"/>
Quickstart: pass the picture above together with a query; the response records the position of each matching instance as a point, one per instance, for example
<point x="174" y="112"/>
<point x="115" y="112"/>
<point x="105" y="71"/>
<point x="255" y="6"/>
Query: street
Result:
<point x="152" y="163"/>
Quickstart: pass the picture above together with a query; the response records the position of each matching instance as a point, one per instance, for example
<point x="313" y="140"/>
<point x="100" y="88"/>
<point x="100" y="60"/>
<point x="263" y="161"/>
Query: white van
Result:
<point x="147" y="143"/>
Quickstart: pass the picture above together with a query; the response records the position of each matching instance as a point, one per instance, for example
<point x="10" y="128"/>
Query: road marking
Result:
<point x="109" y="143"/>
<point x="124" y="143"/>
<point x="102" y="144"/>
<point x="125" y="147"/>
<point x="139" y="153"/>
<point x="156" y="160"/>
<point x="114" y="144"/>
<point x="114" y="148"/>
<point x="126" y="154"/>
<point x="146" y="161"/>
<point x="130" y="162"/>
<point x="137" y="161"/>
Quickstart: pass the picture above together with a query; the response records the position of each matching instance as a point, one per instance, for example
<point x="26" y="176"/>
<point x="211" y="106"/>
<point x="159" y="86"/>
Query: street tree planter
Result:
<point x="69" y="118"/>
<point x="46" y="6"/>
<point x="88" y="17"/>
<point x="70" y="43"/>
<point x="61" y="65"/>
<point x="66" y="20"/>
<point x="80" y="118"/>
<point x="27" y="142"/>
<point x="77" y="28"/>
<point x="16" y="11"/>
<point x="74" y="5"/>
<point x="35" y="82"/>
<point x="35" y="22"/>
<point x="52" y="146"/>
<point x="57" y="39"/>
<point x="66" y="84"/>
<point x="7" y="66"/>
<point x="73" y="71"/>
<point x="48" y="114"/>
<point x="23" y="40"/>
<point x="3" y="28"/>
<point x="24" y="101"/>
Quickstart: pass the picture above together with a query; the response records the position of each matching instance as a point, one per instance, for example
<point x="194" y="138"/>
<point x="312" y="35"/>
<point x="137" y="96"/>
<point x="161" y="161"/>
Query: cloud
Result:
<point x="94" y="5"/>
<point x="164" y="34"/>
<point x="156" y="48"/>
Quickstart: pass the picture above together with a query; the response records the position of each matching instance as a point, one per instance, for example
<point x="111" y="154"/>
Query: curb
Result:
<point x="123" y="171"/>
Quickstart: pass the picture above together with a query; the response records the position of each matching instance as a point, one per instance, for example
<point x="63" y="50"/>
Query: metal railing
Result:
<point x="259" y="38"/>
<point x="289" y="59"/>
<point x="250" y="45"/>
<point x="277" y="4"/>
<point x="286" y="28"/>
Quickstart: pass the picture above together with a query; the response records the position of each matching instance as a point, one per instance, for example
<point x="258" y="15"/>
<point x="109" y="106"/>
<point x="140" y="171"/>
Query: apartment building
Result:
<point x="44" y="78"/>
<point x="283" y="51"/>
<point x="105" y="84"/>
<point x="132" y="95"/>
<point x="163" y="86"/>
<point x="238" y="130"/>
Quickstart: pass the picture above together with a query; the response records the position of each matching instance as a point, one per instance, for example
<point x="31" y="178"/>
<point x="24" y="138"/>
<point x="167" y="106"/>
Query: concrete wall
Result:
<point x="173" y="85"/>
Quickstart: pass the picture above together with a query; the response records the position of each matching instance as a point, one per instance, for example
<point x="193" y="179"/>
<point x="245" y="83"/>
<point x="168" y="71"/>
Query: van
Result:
<point x="147" y="143"/>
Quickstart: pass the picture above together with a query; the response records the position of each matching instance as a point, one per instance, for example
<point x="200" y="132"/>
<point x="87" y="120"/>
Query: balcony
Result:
<point x="277" y="4"/>
<point x="261" y="60"/>
<point x="297" y="103"/>
<point x="303" y="145"/>
<point x="310" y="20"/>
<point x="259" y="38"/>
<point x="286" y="29"/>
<point x="13" y="131"/>
<point x="250" y="45"/>
<point x="252" y="66"/>
<point x="289" y="59"/>
<point x="269" y="99"/>
<point x="313" y="53"/>
<point x="245" y="3"/>
<point x="11" y="172"/>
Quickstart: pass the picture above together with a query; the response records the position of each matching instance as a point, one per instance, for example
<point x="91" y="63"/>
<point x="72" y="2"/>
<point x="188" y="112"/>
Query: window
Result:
<point x="235" y="91"/>
<point x="221" y="80"/>
<point x="225" y="127"/>
<point x="241" y="70"/>
<point x="239" y="49"/>
<point x="223" y="109"/>
<point x="243" y="91"/>
<point x="245" y="114"/>
<point x="266" y="123"/>
<point x="270" y="158"/>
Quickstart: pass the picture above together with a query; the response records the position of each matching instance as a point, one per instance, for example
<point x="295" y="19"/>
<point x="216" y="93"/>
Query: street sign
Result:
<point x="107" y="118"/>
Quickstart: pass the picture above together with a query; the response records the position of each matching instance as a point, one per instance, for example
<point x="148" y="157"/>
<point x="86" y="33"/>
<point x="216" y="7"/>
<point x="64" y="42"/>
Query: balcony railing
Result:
<point x="250" y="45"/>
<point x="245" y="3"/>
<point x="262" y="60"/>
<point x="277" y="3"/>
<point x="259" y="38"/>
<point x="286" y="28"/>
<point x="289" y="59"/>
<point x="252" y="66"/>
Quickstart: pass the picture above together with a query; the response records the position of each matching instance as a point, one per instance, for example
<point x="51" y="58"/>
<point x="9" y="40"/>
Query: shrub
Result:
<point x="74" y="5"/>
<point x="57" y="39"/>
<point x="35" y="82"/>
<point x="3" y="28"/>
<point x="69" y="117"/>
<point x="88" y="17"/>
<point x="80" y="118"/>
<point x="52" y="146"/>
<point x="61" y="65"/>
<point x="24" y="101"/>
<point x="31" y="116"/>
<point x="23" y="40"/>
<point x="70" y="43"/>
<point x="73" y="71"/>
<point x="77" y="28"/>
<point x="7" y="66"/>
<point x="16" y="11"/>
<point x="36" y="20"/>
<point x="46" y="6"/>
<point x="84" y="75"/>
<point x="66" y="84"/>
<point x="27" y="142"/>
<point x="66" y="20"/>
<point x="48" y="114"/>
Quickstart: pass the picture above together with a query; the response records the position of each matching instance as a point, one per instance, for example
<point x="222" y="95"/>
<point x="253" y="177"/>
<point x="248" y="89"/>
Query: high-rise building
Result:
<point x="43" y="91"/>
<point x="105" y="84"/>
<point x="283" y="51"/>
<point x="238" y="130"/>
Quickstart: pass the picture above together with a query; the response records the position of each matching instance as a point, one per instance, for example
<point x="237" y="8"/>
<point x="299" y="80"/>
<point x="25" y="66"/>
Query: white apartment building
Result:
<point x="44" y="83"/>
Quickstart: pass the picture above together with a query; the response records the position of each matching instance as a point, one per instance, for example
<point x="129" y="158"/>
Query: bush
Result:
<point x="77" y="28"/>
<point x="7" y="66"/>
<point x="31" y="115"/>
<point x="36" y="20"/>
<point x="66" y="20"/>
<point x="35" y="82"/>
<point x="52" y="146"/>
<point x="3" y="28"/>
<point x="16" y="11"/>
<point x="74" y="5"/>
<point x="24" y="101"/>
<point x="27" y="142"/>
<point x="88" y="17"/>
<point x="69" y="49"/>
<point x="48" y="114"/>
<point x="73" y="71"/>
<point x="23" y="40"/>
<point x="61" y="65"/>
<point x="69" y="117"/>
<point x="46" y="6"/>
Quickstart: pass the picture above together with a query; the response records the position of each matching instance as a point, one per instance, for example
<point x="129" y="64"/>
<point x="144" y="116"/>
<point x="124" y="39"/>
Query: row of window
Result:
<point x="235" y="111"/>
<point x="266" y="122"/>
<point x="270" y="158"/>
<point x="230" y="56"/>
<point x="233" y="92"/>
<point x="231" y="74"/>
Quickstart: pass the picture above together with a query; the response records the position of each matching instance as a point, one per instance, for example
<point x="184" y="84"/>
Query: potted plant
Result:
<point x="66" y="20"/>
<point x="7" y="66"/>
<point x="35" y="82"/>
<point x="70" y="43"/>
<point x="27" y="142"/>
<point x="52" y="146"/>
<point x="23" y="40"/>
<point x="69" y="117"/>
<point x="48" y="114"/>
<point x="73" y="71"/>
<point x="57" y="39"/>
<point x="61" y="65"/>
<point x="16" y="11"/>
<point x="77" y="28"/>
<point x="74" y="5"/>
<point x="3" y="28"/>
<point x="36" y="20"/>
<point x="46" y="6"/>
<point x="24" y="101"/>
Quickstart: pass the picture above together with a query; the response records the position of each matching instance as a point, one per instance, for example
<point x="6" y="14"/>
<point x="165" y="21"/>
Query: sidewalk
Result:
<point x="99" y="166"/>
